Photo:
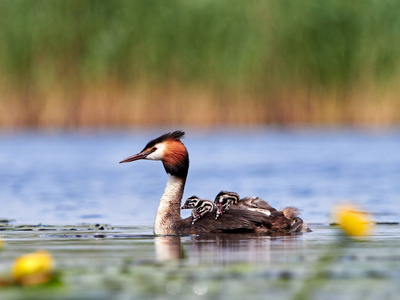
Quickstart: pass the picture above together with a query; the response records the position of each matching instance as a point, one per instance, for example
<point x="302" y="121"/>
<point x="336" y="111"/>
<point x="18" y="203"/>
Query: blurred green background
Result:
<point x="74" y="63"/>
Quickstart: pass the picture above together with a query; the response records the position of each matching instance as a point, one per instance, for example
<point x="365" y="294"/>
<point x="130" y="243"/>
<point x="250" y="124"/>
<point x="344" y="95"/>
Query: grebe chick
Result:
<point x="169" y="149"/>
<point x="191" y="202"/>
<point x="225" y="199"/>
<point x="202" y="207"/>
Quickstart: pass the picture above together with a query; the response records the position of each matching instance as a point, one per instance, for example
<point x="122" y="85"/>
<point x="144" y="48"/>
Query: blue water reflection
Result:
<point x="74" y="177"/>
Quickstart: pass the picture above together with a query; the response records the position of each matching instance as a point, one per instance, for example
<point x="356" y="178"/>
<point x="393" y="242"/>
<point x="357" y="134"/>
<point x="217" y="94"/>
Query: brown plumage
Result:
<point x="290" y="212"/>
<point x="256" y="202"/>
<point x="238" y="220"/>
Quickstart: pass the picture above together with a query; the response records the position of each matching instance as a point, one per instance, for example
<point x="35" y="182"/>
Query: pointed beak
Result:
<point x="141" y="155"/>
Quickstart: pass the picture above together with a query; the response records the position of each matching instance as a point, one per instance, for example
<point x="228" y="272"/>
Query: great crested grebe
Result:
<point x="173" y="154"/>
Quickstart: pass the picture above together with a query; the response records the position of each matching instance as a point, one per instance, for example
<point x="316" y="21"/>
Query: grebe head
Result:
<point x="191" y="202"/>
<point x="224" y="200"/>
<point x="169" y="149"/>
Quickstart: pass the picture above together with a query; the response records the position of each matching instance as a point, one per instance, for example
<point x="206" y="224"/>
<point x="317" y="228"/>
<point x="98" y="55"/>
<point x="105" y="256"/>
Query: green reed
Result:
<point x="254" y="48"/>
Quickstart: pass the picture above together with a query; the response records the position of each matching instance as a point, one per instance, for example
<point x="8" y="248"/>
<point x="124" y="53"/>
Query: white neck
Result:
<point x="169" y="211"/>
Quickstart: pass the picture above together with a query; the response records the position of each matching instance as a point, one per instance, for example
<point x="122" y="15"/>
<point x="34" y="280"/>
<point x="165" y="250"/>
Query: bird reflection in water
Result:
<point x="168" y="247"/>
<point x="224" y="249"/>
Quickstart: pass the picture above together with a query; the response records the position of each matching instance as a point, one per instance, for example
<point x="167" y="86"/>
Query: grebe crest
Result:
<point x="203" y="207"/>
<point x="224" y="200"/>
<point x="191" y="202"/>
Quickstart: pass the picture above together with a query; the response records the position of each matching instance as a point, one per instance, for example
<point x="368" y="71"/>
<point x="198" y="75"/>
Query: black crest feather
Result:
<point x="176" y="135"/>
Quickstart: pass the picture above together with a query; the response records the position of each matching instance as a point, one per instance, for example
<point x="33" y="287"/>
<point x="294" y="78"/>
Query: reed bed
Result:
<point x="202" y="63"/>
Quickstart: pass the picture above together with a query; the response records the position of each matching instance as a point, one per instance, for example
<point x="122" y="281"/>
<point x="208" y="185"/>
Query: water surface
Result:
<point x="73" y="177"/>
<point x="130" y="263"/>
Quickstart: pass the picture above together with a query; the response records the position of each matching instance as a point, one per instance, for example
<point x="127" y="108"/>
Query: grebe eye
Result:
<point x="153" y="149"/>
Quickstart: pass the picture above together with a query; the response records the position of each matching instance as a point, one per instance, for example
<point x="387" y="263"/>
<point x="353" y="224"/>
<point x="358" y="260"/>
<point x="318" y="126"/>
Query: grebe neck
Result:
<point x="169" y="208"/>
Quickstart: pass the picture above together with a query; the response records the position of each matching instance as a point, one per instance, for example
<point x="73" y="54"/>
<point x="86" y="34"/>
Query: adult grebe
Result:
<point x="173" y="154"/>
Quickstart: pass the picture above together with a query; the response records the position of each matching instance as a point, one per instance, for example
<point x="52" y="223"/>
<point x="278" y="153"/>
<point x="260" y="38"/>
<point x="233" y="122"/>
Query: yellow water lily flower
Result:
<point x="33" y="268"/>
<point x="352" y="220"/>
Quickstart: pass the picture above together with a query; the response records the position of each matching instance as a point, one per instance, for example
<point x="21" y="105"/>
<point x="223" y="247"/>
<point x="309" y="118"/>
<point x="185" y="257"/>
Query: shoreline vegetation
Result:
<point x="73" y="63"/>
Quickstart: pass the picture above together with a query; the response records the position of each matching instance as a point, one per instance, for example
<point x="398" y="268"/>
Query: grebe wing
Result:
<point x="255" y="202"/>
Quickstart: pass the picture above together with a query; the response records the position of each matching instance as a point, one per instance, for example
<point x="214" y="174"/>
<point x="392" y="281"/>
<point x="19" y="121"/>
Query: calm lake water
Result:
<point x="74" y="177"/>
<point x="57" y="186"/>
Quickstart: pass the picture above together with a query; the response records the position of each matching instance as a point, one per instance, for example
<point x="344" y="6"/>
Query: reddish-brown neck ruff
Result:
<point x="176" y="158"/>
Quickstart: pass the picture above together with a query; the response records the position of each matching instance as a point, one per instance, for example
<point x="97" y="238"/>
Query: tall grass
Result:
<point x="100" y="62"/>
